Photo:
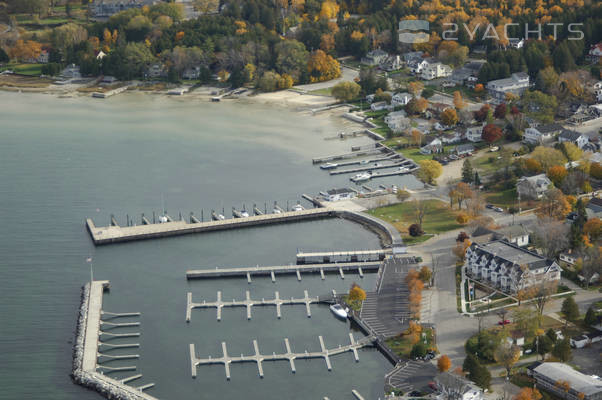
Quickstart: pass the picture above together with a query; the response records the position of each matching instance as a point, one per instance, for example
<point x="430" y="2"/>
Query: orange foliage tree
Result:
<point x="557" y="173"/>
<point x="322" y="67"/>
<point x="528" y="393"/>
<point x="443" y="363"/>
<point x="26" y="50"/>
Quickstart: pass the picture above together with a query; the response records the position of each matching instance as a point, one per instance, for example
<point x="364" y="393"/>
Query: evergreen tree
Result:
<point x="577" y="226"/>
<point x="562" y="350"/>
<point x="470" y="362"/>
<point x="481" y="376"/>
<point x="467" y="172"/>
<point x="419" y="350"/>
<point x="544" y="345"/>
<point x="3" y="56"/>
<point x="590" y="317"/>
<point x="477" y="179"/>
<point x="552" y="335"/>
<point x="570" y="309"/>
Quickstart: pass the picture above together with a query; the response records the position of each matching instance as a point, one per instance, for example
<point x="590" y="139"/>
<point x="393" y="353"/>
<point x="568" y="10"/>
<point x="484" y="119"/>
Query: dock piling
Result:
<point x="298" y="275"/>
<point x="341" y="273"/>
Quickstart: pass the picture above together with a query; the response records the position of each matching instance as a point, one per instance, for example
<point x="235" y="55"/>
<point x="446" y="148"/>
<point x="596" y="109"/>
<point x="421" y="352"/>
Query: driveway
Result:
<point x="347" y="74"/>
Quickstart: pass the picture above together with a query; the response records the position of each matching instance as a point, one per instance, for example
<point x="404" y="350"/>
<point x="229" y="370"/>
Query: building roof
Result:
<point x="579" y="382"/>
<point x="548" y="128"/>
<point x="507" y="252"/>
<point x="512" y="231"/>
<point x="464" y="147"/>
<point x="339" y="191"/>
<point x="567" y="134"/>
<point x="540" y="180"/>
<point x="457" y="382"/>
<point x="595" y="204"/>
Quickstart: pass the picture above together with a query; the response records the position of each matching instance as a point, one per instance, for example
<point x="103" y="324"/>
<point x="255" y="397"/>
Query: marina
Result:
<point x="289" y="356"/>
<point x="358" y="267"/>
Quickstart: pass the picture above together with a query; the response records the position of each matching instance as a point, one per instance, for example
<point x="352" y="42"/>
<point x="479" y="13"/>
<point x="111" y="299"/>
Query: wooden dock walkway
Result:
<point x="249" y="303"/>
<point x="368" y="168"/>
<point x="283" y="269"/>
<point x="289" y="356"/>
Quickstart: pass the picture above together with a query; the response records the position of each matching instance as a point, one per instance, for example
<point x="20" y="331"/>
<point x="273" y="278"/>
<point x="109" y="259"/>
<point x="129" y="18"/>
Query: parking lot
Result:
<point x="588" y="360"/>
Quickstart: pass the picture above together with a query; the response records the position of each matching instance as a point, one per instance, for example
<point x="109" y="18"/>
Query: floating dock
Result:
<point x="249" y="303"/>
<point x="342" y="256"/>
<point x="282" y="269"/>
<point x="289" y="356"/>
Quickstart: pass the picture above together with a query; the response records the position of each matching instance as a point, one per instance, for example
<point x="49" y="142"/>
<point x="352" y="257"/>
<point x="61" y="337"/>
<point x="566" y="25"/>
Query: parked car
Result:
<point x="498" y="209"/>
<point x="494" y="148"/>
<point x="489" y="206"/>
<point x="504" y="322"/>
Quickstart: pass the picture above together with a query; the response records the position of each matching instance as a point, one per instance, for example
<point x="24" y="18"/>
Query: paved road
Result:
<point x="347" y="74"/>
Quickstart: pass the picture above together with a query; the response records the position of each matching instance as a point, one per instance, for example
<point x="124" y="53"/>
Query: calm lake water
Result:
<point x="62" y="160"/>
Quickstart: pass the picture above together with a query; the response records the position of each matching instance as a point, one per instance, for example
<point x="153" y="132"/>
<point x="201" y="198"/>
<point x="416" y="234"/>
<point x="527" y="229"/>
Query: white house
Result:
<point x="454" y="386"/>
<point x="156" y="70"/>
<point x="434" y="146"/>
<point x="401" y="99"/>
<point x="71" y="72"/>
<point x="416" y="66"/>
<point x="581" y="386"/>
<point x="508" y="267"/>
<point x="391" y="63"/>
<point x="578" y="139"/>
<point x="516" y="234"/>
<point x="192" y="73"/>
<point x="379" y="106"/>
<point x="474" y="133"/>
<point x="516" y="43"/>
<point x="338" y="194"/>
<point x="101" y="54"/>
<point x="533" y="187"/>
<point x="435" y="70"/>
<point x="516" y="84"/>
<point x="595" y="52"/>
<point x="541" y="134"/>
<point x="397" y="120"/>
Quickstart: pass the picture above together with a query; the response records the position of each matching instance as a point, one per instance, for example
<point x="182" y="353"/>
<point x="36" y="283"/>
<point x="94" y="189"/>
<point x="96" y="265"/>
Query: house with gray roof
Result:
<point x="508" y="267"/>
<point x="106" y="8"/>
<point x="577" y="138"/>
<point x="542" y="133"/>
<point x="581" y="386"/>
<point x="533" y="187"/>
<point x="516" y="84"/>
<point x="453" y="386"/>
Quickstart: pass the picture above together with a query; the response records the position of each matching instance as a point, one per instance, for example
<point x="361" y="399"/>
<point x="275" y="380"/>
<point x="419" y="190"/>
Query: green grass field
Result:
<point x="438" y="218"/>
<point x="25" y="69"/>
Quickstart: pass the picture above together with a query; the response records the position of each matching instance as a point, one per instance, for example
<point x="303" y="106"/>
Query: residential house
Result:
<point x="100" y="55"/>
<point x="533" y="187"/>
<point x="435" y="70"/>
<point x="71" y="72"/>
<point x="437" y="108"/>
<point x="594" y="208"/>
<point x="516" y="84"/>
<point x="156" y="70"/>
<point x="416" y="66"/>
<point x="380" y="105"/>
<point x="508" y="267"/>
<point x="474" y="133"/>
<point x="435" y="146"/>
<point x="516" y="43"/>
<point x="397" y="121"/>
<point x="412" y="56"/>
<point x="597" y="89"/>
<point x="453" y="386"/>
<point x="106" y="8"/>
<point x="108" y="80"/>
<point x="391" y="63"/>
<point x="401" y="99"/>
<point x="43" y="58"/>
<point x="577" y="138"/>
<point x="541" y="134"/>
<point x="451" y="137"/>
<point x="581" y="386"/>
<point x="568" y="258"/>
<point x="516" y="234"/>
<point x="464" y="149"/>
<point x="375" y="57"/>
<point x="338" y="194"/>
<point x="581" y="341"/>
<point x="192" y="73"/>
<point x="595" y="52"/>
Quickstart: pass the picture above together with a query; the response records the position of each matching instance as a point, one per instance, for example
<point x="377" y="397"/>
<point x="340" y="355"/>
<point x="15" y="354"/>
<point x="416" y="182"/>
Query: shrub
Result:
<point x="415" y="230"/>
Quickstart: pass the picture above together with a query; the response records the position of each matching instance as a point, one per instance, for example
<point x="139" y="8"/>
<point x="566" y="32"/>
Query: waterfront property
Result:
<point x="548" y="375"/>
<point x="516" y="85"/>
<point x="533" y="187"/>
<point x="509" y="267"/>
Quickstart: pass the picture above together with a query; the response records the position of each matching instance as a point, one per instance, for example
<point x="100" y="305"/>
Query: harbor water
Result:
<point x="63" y="160"/>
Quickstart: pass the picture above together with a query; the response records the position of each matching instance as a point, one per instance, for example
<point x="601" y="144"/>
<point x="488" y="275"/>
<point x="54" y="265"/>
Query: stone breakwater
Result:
<point x="108" y="387"/>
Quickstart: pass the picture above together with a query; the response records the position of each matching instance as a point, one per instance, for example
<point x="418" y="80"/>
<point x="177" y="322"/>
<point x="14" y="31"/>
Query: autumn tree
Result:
<point x="533" y="166"/>
<point x="593" y="228"/>
<point x="459" y="102"/>
<point x="548" y="157"/>
<point x="462" y="218"/>
<point x="571" y="151"/>
<point x="528" y="393"/>
<point x="542" y="293"/>
<point x="25" y="50"/>
<point x="430" y="170"/>
<point x="449" y="117"/>
<point x="557" y="173"/>
<point x="425" y="274"/>
<point x="492" y="133"/>
<point x="443" y="363"/>
<point x="540" y="106"/>
<point x="346" y="91"/>
<point x="551" y="235"/>
<point x="460" y="249"/>
<point x="356" y="293"/>
<point x="507" y="355"/>
<point x="322" y="67"/>
<point x="553" y="205"/>
<point x="500" y="111"/>
<point x="415" y="88"/>
<point x="595" y="170"/>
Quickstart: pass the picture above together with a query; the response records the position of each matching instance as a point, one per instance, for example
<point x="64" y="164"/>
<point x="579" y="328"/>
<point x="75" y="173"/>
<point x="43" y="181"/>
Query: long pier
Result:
<point x="282" y="269"/>
<point x="369" y="168"/>
<point x="289" y="356"/>
<point x="249" y="303"/>
<point x="115" y="233"/>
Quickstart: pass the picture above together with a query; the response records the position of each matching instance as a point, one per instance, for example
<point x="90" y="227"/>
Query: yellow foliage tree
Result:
<point x="329" y="9"/>
<point x="26" y="50"/>
<point x="357" y="293"/>
<point x="322" y="67"/>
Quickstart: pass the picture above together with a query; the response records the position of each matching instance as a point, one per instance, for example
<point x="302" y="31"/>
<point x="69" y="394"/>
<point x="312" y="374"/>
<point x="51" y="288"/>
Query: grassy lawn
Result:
<point x="505" y="198"/>
<point x="483" y="164"/>
<point x="402" y="344"/>
<point x="322" y="92"/>
<point x="25" y="69"/>
<point x="396" y="141"/>
<point x="438" y="218"/>
<point x="415" y="154"/>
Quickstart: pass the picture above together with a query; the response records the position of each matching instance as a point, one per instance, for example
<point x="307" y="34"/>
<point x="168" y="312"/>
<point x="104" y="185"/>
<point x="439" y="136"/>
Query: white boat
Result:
<point x="298" y="207"/>
<point x="329" y="166"/>
<point x="404" y="169"/>
<point x="339" y="311"/>
<point x="221" y="217"/>
<point x="361" y="177"/>
<point x="364" y="162"/>
<point x="276" y="211"/>
<point x="163" y="219"/>
<point x="244" y="214"/>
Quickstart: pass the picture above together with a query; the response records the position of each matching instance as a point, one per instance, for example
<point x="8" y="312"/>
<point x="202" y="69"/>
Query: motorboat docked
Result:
<point x="329" y="166"/>
<point x="221" y="217"/>
<point x="339" y="311"/>
<point x="364" y="162"/>
<point x="276" y="211"/>
<point x="361" y="177"/>
<point x="404" y="169"/>
<point x="244" y="214"/>
<point x="298" y="207"/>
